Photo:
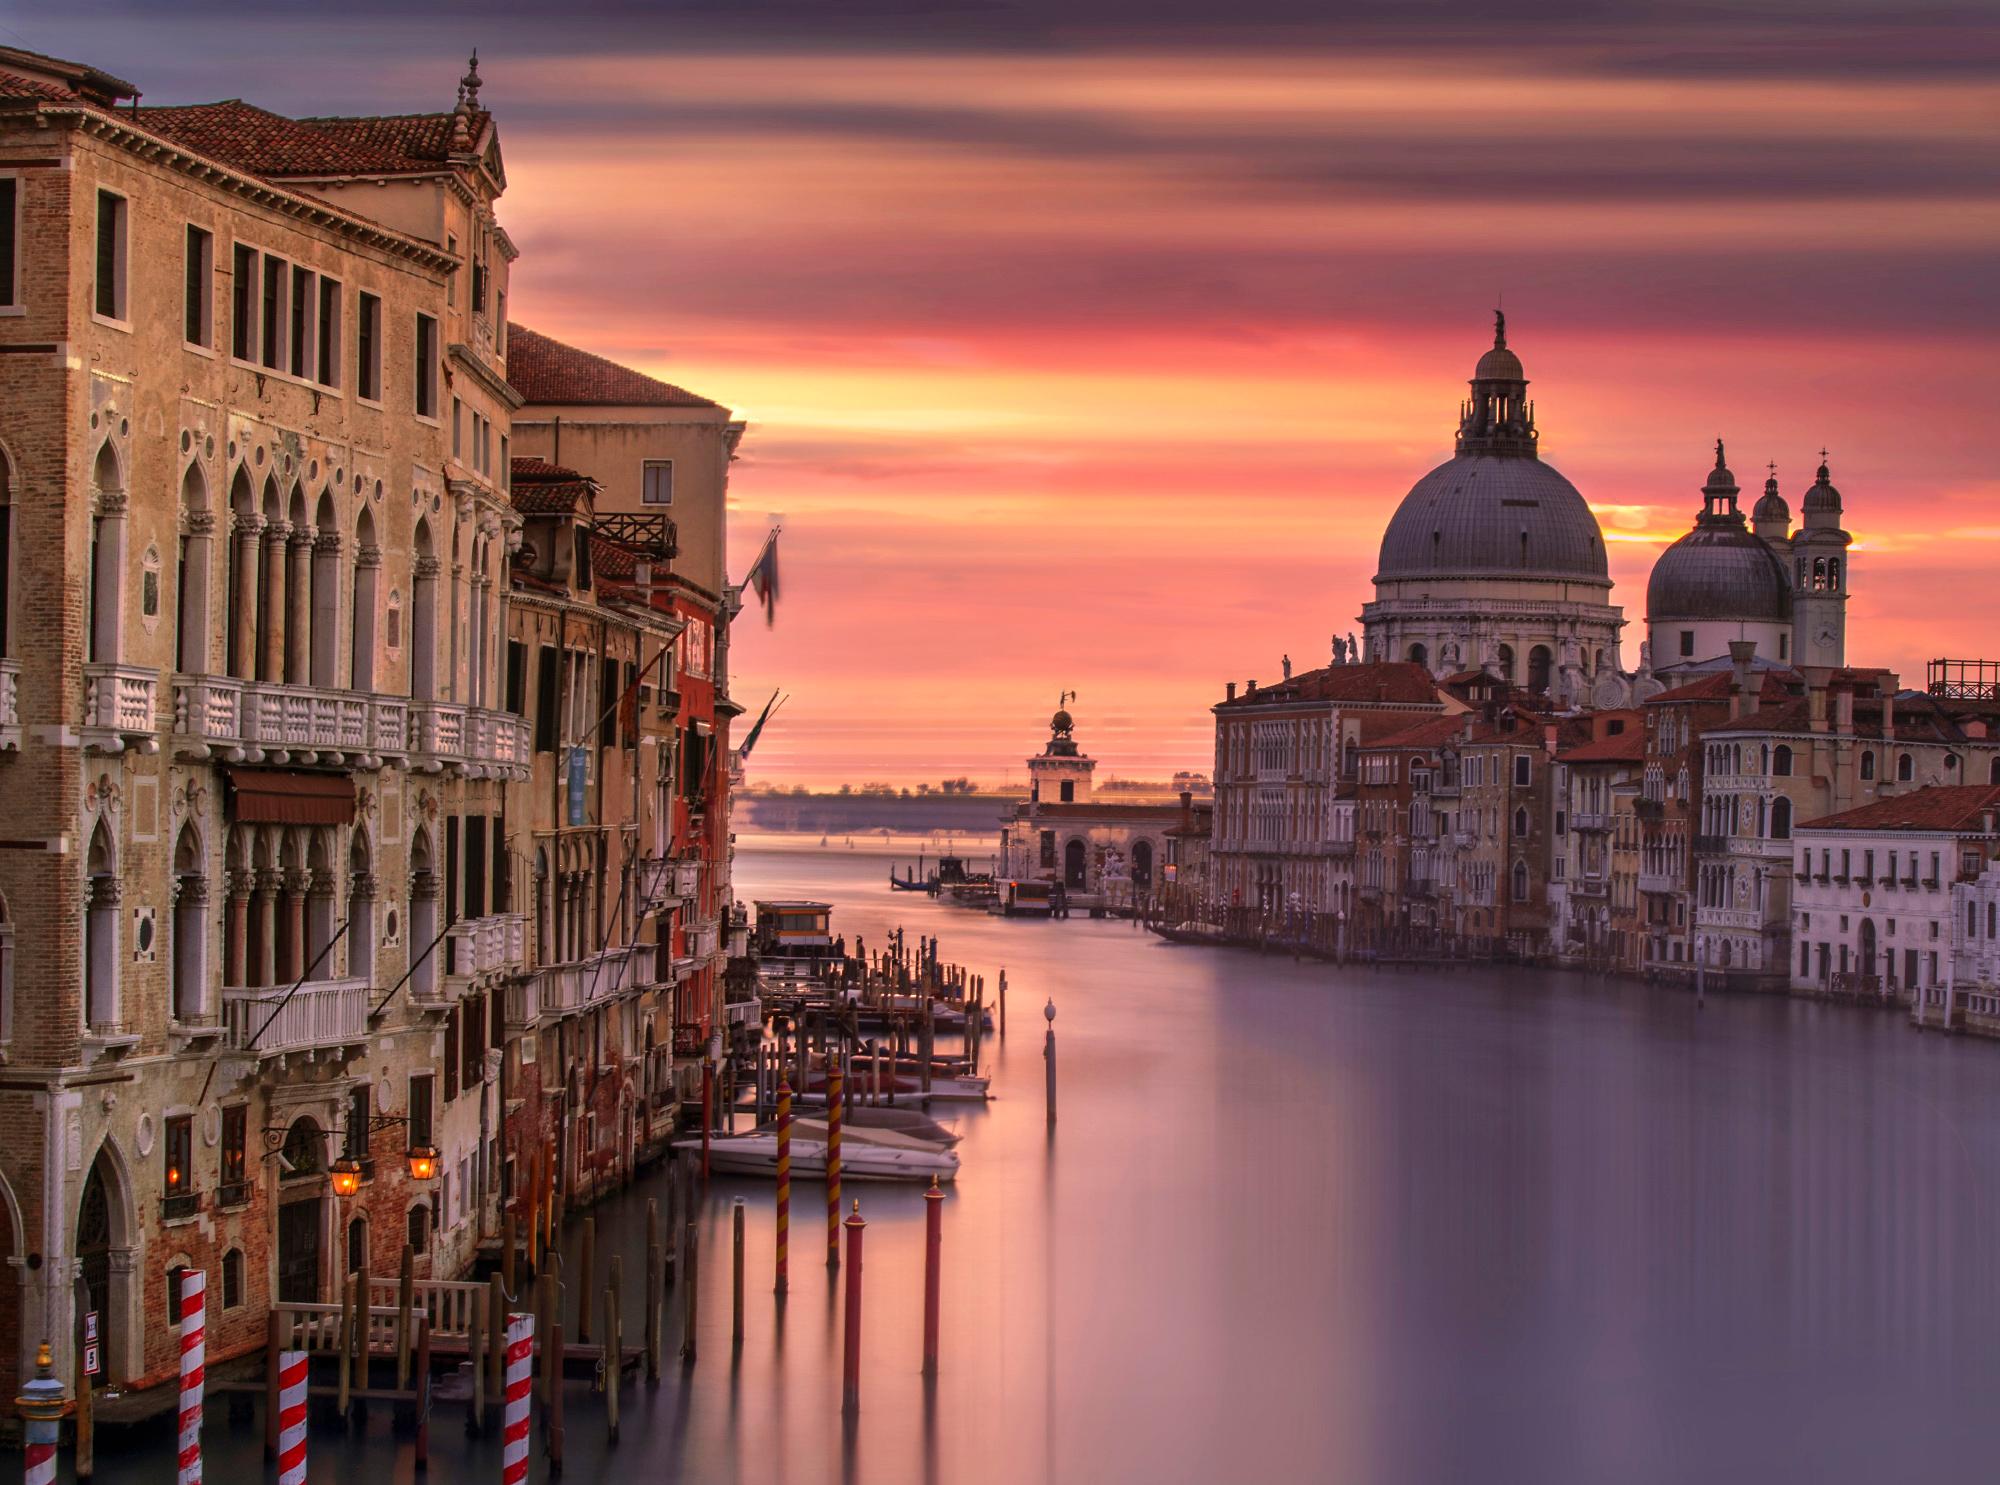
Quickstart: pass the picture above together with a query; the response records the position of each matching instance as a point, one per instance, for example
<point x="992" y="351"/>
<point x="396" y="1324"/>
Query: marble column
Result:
<point x="264" y="914"/>
<point x="236" y="930"/>
<point x="271" y="659"/>
<point x="243" y="631"/>
<point x="298" y="616"/>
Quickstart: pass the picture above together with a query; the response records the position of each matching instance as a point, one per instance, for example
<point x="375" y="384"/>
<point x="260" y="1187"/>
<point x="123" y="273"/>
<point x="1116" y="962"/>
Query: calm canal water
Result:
<point x="1301" y="1222"/>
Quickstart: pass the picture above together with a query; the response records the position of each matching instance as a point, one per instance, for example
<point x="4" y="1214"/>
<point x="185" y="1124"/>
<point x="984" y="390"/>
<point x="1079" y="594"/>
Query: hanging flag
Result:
<point x="763" y="578"/>
<point x="750" y="741"/>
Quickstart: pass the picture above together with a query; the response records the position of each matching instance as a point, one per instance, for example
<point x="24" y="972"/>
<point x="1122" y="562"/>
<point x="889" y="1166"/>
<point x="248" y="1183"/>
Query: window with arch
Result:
<point x="1781" y="818"/>
<point x="1781" y="761"/>
<point x="1906" y="768"/>
<point x="100" y="932"/>
<point x="1868" y="765"/>
<point x="6" y="552"/>
<point x="1520" y="881"/>
<point x="418" y="1228"/>
<point x="1993" y="770"/>
<point x="232" y="1278"/>
<point x="107" y="554"/>
<point x="6" y="973"/>
<point x="1520" y="824"/>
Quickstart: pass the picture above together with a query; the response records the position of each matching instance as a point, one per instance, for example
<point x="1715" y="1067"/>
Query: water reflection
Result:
<point x="1357" y="1227"/>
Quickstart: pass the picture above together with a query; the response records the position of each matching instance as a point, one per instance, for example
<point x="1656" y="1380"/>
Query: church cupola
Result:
<point x="1819" y="576"/>
<point x="1822" y="503"/>
<point x="1718" y="495"/>
<point x="1772" y="519"/>
<point x="1498" y="418"/>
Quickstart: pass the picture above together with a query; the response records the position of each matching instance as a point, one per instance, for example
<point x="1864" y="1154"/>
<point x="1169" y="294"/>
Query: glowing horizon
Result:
<point x="1098" y="358"/>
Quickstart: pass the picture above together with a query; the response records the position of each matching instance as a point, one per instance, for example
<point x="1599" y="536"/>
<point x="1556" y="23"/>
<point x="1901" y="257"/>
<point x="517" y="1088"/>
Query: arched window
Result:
<point x="1868" y="765"/>
<point x="1520" y="824"/>
<point x="100" y="932"/>
<point x="1506" y="659"/>
<point x="418" y="1225"/>
<point x="244" y="546"/>
<point x="1418" y="655"/>
<point x="1906" y="768"/>
<point x="298" y="553"/>
<point x="367" y="568"/>
<point x="6" y="554"/>
<point x="1520" y="881"/>
<point x="325" y="600"/>
<point x="232" y="1278"/>
<point x="269" y="660"/>
<point x="107" y="555"/>
<point x="423" y="917"/>
<point x="190" y="945"/>
<point x="1781" y="761"/>
<point x="360" y="909"/>
<point x="423" y="617"/>
<point x="6" y="973"/>
<point x="1993" y="770"/>
<point x="1539" y="663"/>
<point x="357" y="1244"/>
<point x="1781" y="818"/>
<point x="191" y="576"/>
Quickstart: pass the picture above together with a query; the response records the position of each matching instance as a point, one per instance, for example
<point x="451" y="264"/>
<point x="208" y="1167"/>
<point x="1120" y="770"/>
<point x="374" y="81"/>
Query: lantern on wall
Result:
<point x="423" y="1163"/>
<point x="346" y="1174"/>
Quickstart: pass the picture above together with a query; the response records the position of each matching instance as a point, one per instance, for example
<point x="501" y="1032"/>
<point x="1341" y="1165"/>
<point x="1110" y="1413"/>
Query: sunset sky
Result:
<point x="1090" y="346"/>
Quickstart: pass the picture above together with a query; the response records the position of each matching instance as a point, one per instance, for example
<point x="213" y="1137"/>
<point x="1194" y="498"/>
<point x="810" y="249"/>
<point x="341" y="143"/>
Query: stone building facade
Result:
<point x="267" y="895"/>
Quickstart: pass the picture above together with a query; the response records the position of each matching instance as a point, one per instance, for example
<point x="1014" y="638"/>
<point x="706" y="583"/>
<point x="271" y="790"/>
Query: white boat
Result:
<point x="865" y="1154"/>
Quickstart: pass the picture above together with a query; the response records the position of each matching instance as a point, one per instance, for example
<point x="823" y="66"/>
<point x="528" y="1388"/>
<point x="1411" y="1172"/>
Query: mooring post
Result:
<point x="1049" y="1053"/>
<point x="423" y="1398"/>
<point x="550" y="1335"/>
<point x="613" y="1362"/>
<point x="475" y="1350"/>
<point x="690" y="1292"/>
<point x="274" y="1344"/>
<point x="518" y="1352"/>
<point x="850" y="1391"/>
<point x="1003" y="1001"/>
<point x="736" y="1220"/>
<point x="586" y="1260"/>
<point x="41" y="1406"/>
<point x="833" y="1110"/>
<point x="784" y="1179"/>
<point x="406" y="1296"/>
<point x="498" y="1297"/>
<point x="508" y="1237"/>
<point x="84" y="1462"/>
<point x="289" y="1416"/>
<point x="933" y="1259"/>
<point x="343" y="1374"/>
<point x="559" y="1351"/>
<point x="654" y="1268"/>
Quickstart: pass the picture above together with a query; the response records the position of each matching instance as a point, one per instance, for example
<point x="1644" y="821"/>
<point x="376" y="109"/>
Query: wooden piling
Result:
<point x="498" y="1297"/>
<point x="933" y="1262"/>
<point x="84" y="1461"/>
<point x="784" y="1183"/>
<point x="653" y="1276"/>
<point x="614" y="1348"/>
<point x="423" y="1381"/>
<point x="475" y="1350"/>
<point x="586" y="1260"/>
<point x="851" y="1357"/>
<point x="1003" y="1001"/>
<point x="555" y="1400"/>
<point x="736" y="1217"/>
<point x="690" y="1293"/>
<point x="833" y="1111"/>
<point x="346" y="1342"/>
<point x="406" y="1295"/>
<point x="508" y="1237"/>
<point x="546" y="1330"/>
<point x="274" y="1342"/>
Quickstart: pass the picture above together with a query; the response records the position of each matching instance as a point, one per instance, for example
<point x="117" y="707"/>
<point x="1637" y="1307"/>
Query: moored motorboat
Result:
<point x="865" y="1154"/>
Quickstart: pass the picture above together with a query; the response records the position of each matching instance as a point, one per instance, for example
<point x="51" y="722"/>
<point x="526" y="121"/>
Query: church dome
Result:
<point x="1719" y="570"/>
<point x="1822" y="498"/>
<point x="1772" y="507"/>
<point x="1493" y="515"/>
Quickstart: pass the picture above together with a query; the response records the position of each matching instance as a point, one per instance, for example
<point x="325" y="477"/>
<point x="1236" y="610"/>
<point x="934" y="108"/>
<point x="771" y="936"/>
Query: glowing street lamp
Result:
<point x="423" y="1163"/>
<point x="346" y="1173"/>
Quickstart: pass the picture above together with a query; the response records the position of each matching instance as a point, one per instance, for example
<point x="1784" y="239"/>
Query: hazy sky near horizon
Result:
<point x="1090" y="346"/>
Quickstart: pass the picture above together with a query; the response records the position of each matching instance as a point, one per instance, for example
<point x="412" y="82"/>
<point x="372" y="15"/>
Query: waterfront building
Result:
<point x="1106" y="855"/>
<point x="255" y="409"/>
<point x="658" y="457"/>
<point x="1501" y="761"/>
<point x="1400" y="897"/>
<point x="1284" y="833"/>
<point x="1594" y="879"/>
<point x="1877" y="892"/>
<point x="340" y="772"/>
<point x="1493" y="561"/>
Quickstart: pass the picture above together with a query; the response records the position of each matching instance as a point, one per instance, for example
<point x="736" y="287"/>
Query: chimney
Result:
<point x="1187" y="810"/>
<point x="1888" y="716"/>
<point x="1250" y="687"/>
<point x="1229" y="691"/>
<point x="1816" y="678"/>
<point x="1741" y="653"/>
<point x="1843" y="713"/>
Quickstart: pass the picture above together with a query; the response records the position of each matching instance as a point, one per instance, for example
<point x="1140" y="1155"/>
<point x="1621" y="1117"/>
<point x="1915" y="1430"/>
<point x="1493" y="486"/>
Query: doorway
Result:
<point x="93" y="1256"/>
<point x="1073" y="866"/>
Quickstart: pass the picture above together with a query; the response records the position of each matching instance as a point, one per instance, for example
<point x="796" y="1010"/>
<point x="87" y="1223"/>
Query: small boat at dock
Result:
<point x="866" y="1154"/>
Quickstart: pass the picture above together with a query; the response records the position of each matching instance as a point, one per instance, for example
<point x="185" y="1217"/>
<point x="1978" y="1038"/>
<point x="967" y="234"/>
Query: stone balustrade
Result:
<point x="319" y="1015"/>
<point x="10" y="706"/>
<point x="120" y="708"/>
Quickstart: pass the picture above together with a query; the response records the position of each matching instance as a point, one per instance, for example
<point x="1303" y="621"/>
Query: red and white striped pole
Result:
<point x="194" y="1297"/>
<point x="291" y="1418"/>
<point x="514" y="1431"/>
<point x="41" y="1405"/>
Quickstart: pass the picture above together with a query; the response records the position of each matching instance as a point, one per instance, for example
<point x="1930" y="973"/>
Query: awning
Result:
<point x="275" y="796"/>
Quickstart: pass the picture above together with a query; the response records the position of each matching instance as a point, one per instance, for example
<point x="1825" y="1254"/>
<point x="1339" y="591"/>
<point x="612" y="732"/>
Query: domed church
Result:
<point x="1493" y="561"/>
<point x="1728" y="579"/>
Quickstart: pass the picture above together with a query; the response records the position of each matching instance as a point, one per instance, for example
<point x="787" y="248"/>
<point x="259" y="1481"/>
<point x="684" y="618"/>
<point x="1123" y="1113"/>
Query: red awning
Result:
<point x="272" y="796"/>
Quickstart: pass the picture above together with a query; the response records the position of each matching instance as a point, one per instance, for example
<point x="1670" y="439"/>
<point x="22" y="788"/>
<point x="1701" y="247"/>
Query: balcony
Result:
<point x="1659" y="881"/>
<point x="478" y="948"/>
<point x="10" y="706"/>
<point x="269" y="721"/>
<point x="471" y="740"/>
<point x="1589" y="887"/>
<point x="120" y="708"/>
<point x="1590" y="820"/>
<point x="587" y="982"/>
<point x="320" y="1015"/>
<point x="1711" y="845"/>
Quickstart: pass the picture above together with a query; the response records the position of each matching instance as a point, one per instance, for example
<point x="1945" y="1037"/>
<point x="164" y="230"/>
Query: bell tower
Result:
<point x="1819" y="577"/>
<point x="1060" y="773"/>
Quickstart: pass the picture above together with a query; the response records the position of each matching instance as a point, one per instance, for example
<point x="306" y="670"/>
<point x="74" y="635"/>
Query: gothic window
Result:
<point x="1906" y="768"/>
<point x="1781" y="818"/>
<point x="1781" y="761"/>
<point x="1868" y="767"/>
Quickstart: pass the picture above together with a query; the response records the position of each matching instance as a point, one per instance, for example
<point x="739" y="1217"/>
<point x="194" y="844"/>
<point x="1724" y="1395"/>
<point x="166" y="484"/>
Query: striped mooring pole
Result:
<point x="514" y="1430"/>
<point x="834" y="1095"/>
<point x="784" y="1180"/>
<point x="41" y="1406"/>
<point x="291" y="1418"/>
<point x="850" y="1390"/>
<point x="194" y="1348"/>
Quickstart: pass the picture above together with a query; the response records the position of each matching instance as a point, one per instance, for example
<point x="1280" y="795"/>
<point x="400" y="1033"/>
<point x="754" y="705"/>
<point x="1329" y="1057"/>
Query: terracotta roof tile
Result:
<point x="1425" y="735"/>
<point x="1940" y="807"/>
<point x="1777" y="685"/>
<point x="547" y="371"/>
<point x="1380" y="680"/>
<point x="544" y="489"/>
<point x="612" y="559"/>
<point x="269" y="144"/>
<point x="13" y="85"/>
<point x="1628" y="746"/>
